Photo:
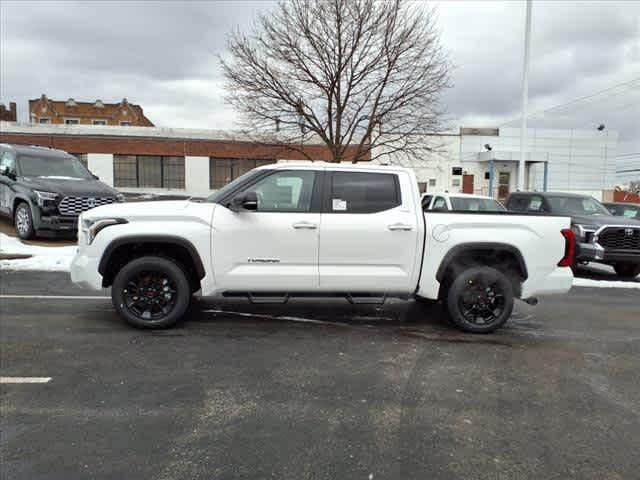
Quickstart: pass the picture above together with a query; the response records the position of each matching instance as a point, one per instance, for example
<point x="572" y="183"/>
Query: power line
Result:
<point x="581" y="99"/>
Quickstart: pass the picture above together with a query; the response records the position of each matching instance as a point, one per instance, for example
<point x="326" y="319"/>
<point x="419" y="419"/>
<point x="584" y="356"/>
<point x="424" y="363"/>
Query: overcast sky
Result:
<point x="163" y="57"/>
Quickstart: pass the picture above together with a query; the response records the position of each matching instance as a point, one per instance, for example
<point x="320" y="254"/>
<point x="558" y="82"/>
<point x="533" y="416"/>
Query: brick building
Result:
<point x="43" y="110"/>
<point x="10" y="114"/>
<point x="156" y="160"/>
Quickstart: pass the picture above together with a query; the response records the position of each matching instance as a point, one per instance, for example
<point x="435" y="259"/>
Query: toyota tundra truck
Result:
<point x="320" y="230"/>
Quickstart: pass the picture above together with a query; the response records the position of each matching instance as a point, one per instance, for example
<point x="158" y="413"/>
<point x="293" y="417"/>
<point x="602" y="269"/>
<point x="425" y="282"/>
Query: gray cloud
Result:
<point x="163" y="56"/>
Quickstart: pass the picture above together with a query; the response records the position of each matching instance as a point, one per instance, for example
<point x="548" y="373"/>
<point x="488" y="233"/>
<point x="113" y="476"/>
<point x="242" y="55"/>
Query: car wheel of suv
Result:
<point x="23" y="221"/>
<point x="480" y="300"/>
<point x="627" y="270"/>
<point x="151" y="292"/>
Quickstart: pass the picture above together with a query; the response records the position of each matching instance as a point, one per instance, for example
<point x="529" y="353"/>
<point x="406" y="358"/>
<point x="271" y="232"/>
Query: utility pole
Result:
<point x="525" y="97"/>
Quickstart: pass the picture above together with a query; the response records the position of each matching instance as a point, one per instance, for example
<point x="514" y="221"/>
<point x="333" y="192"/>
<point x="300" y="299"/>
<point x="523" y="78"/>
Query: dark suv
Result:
<point x="44" y="190"/>
<point x="601" y="237"/>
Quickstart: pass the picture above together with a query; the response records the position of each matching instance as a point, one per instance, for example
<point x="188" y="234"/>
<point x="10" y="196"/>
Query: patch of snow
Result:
<point x="587" y="282"/>
<point x="48" y="259"/>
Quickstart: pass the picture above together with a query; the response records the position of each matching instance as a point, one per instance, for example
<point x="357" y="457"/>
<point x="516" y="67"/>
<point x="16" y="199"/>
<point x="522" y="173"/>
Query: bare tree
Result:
<point x="363" y="77"/>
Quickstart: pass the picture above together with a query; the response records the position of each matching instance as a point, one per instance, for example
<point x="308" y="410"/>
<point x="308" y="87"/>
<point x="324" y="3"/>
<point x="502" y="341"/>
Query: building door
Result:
<point x="467" y="183"/>
<point x="504" y="180"/>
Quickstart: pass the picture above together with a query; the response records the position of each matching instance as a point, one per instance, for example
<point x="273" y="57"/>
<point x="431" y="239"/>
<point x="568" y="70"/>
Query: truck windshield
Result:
<point x="461" y="204"/>
<point x="52" y="167"/>
<point x="576" y="206"/>
<point x="229" y="187"/>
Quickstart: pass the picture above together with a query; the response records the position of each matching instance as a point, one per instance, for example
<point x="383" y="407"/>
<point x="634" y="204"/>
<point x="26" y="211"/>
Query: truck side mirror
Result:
<point x="6" y="172"/>
<point x="246" y="200"/>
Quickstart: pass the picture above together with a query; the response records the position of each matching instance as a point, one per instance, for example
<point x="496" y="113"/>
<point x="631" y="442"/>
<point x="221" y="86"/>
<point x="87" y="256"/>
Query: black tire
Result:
<point x="628" y="271"/>
<point x="23" y="221"/>
<point x="142" y="284"/>
<point x="480" y="300"/>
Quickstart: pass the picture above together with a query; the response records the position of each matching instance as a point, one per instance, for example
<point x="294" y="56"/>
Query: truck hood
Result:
<point x="601" y="220"/>
<point x="70" y="186"/>
<point x="159" y="209"/>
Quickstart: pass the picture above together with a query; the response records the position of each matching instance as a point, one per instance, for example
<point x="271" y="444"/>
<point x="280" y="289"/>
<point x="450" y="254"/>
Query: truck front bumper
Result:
<point x="84" y="272"/>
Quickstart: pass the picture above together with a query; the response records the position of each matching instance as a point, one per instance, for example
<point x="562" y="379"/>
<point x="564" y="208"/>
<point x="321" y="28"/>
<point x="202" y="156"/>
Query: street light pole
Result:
<point x="525" y="98"/>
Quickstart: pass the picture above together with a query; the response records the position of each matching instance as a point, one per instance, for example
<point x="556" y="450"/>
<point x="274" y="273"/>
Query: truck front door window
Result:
<point x="287" y="191"/>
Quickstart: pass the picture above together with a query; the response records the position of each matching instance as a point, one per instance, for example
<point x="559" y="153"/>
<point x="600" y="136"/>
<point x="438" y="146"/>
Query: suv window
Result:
<point x="285" y="191"/>
<point x="361" y="192"/>
<point x="440" y="203"/>
<point x="8" y="160"/>
<point x="524" y="203"/>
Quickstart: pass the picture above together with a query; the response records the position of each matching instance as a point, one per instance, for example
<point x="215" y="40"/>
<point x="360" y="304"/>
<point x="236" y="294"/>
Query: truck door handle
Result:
<point x="305" y="226"/>
<point x="399" y="226"/>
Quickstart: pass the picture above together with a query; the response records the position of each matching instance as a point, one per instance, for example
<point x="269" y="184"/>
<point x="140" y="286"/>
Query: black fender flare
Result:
<point x="474" y="246"/>
<point x="170" y="239"/>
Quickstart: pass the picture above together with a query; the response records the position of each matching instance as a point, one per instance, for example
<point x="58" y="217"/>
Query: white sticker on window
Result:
<point x="339" y="204"/>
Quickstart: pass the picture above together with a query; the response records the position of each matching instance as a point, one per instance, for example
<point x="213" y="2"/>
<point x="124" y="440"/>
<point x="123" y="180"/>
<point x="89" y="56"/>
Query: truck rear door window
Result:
<point x="362" y="192"/>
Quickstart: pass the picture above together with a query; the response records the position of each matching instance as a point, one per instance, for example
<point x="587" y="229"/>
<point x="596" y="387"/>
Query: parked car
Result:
<point x="461" y="202"/>
<point x="44" y="190"/>
<point x="288" y="230"/>
<point x="602" y="237"/>
<point x="628" y="210"/>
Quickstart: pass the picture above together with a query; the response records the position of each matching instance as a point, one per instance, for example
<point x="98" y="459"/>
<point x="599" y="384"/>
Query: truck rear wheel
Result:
<point x="480" y="300"/>
<point x="151" y="292"/>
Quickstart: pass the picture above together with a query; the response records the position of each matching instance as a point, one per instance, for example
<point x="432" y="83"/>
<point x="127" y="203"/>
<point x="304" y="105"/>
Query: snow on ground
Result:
<point x="58" y="259"/>
<point x="50" y="259"/>
<point x="587" y="282"/>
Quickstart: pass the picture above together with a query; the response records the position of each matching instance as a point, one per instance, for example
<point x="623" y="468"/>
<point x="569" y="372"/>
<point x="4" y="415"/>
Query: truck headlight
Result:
<point x="91" y="227"/>
<point x="46" y="199"/>
<point x="583" y="232"/>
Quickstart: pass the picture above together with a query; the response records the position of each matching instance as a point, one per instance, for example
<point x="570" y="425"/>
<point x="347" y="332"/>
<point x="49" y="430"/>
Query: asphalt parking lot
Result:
<point x="319" y="390"/>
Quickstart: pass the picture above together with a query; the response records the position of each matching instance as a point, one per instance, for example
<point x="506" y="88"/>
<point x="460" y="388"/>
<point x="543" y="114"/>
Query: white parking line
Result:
<point x="25" y="379"/>
<point x="53" y="297"/>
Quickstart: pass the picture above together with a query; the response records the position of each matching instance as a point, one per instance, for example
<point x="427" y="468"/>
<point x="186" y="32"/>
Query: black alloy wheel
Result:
<point x="480" y="300"/>
<point x="151" y="292"/>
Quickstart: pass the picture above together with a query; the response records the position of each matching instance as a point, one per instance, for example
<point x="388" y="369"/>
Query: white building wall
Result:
<point x="579" y="160"/>
<point x="196" y="176"/>
<point x="440" y="154"/>
<point x="101" y="164"/>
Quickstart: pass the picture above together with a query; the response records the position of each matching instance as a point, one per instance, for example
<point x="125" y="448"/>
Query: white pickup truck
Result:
<point x="318" y="229"/>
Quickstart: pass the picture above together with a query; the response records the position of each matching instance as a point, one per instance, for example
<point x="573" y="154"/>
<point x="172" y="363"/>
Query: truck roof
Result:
<point x="355" y="167"/>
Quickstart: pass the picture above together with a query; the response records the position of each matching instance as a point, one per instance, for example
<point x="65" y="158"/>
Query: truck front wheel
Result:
<point x="480" y="300"/>
<point x="151" y="292"/>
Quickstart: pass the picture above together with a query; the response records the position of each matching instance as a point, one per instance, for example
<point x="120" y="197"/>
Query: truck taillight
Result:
<point x="569" y="248"/>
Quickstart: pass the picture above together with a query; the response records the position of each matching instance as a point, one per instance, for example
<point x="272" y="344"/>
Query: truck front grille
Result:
<point x="620" y="238"/>
<point x="76" y="205"/>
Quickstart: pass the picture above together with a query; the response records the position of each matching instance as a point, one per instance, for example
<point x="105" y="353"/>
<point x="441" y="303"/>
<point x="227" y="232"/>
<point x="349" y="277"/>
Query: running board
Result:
<point x="365" y="299"/>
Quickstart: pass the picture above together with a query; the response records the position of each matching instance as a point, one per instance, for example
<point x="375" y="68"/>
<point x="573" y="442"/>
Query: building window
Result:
<point x="148" y="171"/>
<point x="83" y="157"/>
<point x="487" y="175"/>
<point x="224" y="170"/>
<point x="125" y="124"/>
<point x="99" y="122"/>
<point x="432" y="182"/>
<point x="44" y="120"/>
<point x="455" y="182"/>
<point x="125" y="171"/>
<point x="456" y="170"/>
<point x="71" y="121"/>
<point x="422" y="187"/>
